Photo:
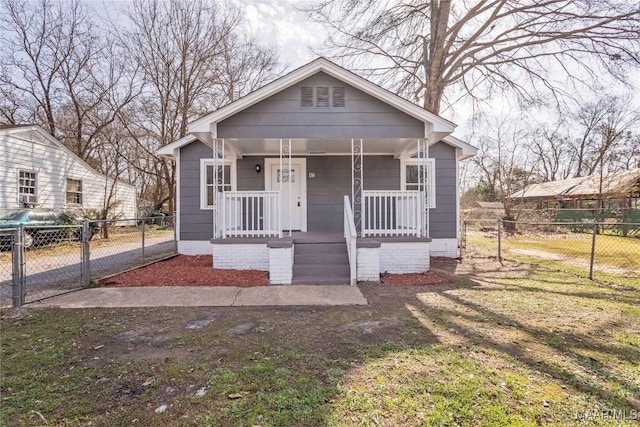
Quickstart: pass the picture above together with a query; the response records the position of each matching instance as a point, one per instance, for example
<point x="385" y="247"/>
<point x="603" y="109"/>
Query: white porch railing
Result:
<point x="391" y="213"/>
<point x="249" y="213"/>
<point x="350" y="236"/>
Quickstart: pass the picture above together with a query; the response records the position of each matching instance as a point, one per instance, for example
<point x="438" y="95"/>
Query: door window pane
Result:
<point x="285" y="175"/>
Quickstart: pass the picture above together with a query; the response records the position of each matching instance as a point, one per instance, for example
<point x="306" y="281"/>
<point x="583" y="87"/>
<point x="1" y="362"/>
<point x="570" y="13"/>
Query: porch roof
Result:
<point x="398" y="147"/>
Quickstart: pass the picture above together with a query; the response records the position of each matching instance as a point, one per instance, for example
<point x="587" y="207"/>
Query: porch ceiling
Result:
<point x="302" y="146"/>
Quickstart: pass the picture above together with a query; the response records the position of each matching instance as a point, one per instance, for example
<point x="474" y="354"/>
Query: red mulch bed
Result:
<point x="183" y="270"/>
<point x="415" y="279"/>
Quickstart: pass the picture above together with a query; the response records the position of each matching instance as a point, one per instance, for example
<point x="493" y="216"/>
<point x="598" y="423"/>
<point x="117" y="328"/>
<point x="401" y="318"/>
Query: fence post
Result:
<point x="143" y="227"/>
<point x="85" y="271"/>
<point x="18" y="290"/>
<point x="500" y="240"/>
<point x="593" y="250"/>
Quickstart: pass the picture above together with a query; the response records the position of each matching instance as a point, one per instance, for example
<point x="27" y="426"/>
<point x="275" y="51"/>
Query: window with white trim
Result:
<point x="27" y="187"/>
<point x="208" y="186"/>
<point x="74" y="191"/>
<point x="411" y="177"/>
<point x="322" y="96"/>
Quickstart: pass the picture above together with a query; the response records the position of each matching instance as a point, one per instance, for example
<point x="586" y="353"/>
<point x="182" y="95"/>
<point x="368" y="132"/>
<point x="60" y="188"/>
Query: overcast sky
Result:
<point x="280" y="23"/>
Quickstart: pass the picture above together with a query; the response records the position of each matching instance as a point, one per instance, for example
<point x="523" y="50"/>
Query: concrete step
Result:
<point x="320" y="270"/>
<point x="320" y="280"/>
<point x="319" y="248"/>
<point x="321" y="258"/>
<point x="319" y="238"/>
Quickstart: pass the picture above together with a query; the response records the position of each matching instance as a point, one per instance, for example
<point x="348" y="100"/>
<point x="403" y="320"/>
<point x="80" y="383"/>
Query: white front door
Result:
<point x="290" y="180"/>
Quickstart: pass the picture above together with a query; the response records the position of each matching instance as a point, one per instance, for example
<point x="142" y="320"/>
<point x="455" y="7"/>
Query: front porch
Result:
<point x="383" y="230"/>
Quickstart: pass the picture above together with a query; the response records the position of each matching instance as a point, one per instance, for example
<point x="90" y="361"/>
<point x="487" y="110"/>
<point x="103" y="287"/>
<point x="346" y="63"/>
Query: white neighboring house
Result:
<point x="36" y="170"/>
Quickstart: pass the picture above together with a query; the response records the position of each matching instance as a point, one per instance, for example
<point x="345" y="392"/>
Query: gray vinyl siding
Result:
<point x="248" y="179"/>
<point x="325" y="192"/>
<point x="195" y="223"/>
<point x="280" y="116"/>
<point x="442" y="219"/>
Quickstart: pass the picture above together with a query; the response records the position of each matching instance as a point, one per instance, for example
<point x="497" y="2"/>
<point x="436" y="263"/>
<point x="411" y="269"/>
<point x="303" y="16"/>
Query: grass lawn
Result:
<point x="499" y="345"/>
<point x="617" y="259"/>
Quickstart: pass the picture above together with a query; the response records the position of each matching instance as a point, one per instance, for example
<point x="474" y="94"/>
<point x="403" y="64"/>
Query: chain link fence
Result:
<point x="603" y="251"/>
<point x="40" y="262"/>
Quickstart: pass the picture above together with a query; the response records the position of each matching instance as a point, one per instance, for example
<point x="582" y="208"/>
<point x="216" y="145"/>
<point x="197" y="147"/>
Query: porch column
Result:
<point x="285" y="160"/>
<point x="219" y="226"/>
<point x="423" y="176"/>
<point x="357" y="181"/>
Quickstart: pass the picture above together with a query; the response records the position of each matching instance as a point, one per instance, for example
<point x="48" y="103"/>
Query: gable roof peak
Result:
<point x="303" y="72"/>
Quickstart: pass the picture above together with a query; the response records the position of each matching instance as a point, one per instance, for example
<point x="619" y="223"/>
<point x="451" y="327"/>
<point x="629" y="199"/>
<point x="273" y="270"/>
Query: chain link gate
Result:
<point x="40" y="262"/>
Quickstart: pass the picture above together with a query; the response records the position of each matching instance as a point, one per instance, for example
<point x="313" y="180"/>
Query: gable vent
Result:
<point x="338" y="96"/>
<point x="322" y="96"/>
<point x="306" y="96"/>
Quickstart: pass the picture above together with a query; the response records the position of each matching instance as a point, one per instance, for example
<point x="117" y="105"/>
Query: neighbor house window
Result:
<point x="210" y="186"/>
<point x="322" y="96"/>
<point x="27" y="187"/>
<point x="74" y="191"/>
<point x="415" y="177"/>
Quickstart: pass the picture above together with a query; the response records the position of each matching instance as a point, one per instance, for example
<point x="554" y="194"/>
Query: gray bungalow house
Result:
<point x="319" y="177"/>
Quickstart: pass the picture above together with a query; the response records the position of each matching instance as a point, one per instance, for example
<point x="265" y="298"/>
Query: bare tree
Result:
<point x="243" y="67"/>
<point x="39" y="38"/>
<point x="607" y="141"/>
<point x="555" y="155"/>
<point x="433" y="51"/>
<point x="504" y="160"/>
<point x="193" y="61"/>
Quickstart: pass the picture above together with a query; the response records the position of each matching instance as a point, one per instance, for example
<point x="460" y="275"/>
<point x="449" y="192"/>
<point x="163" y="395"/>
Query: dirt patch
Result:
<point x="415" y="279"/>
<point x="183" y="270"/>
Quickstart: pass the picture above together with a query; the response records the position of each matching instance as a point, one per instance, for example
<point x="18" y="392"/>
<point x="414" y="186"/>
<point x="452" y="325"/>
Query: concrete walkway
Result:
<point x="199" y="296"/>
